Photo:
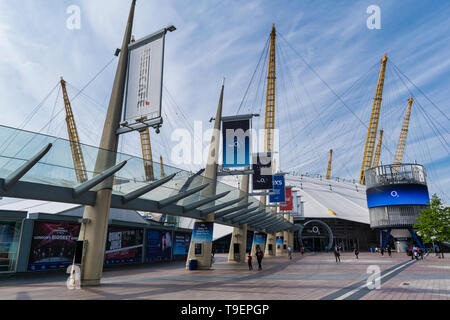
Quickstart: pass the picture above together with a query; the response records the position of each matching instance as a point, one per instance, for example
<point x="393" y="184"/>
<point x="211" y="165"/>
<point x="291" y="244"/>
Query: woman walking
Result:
<point x="259" y="257"/>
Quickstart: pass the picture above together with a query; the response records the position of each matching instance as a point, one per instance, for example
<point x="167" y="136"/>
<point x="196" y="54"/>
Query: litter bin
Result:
<point x="193" y="264"/>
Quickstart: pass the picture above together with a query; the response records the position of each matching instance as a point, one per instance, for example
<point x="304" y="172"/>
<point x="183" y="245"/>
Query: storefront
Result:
<point x="10" y="231"/>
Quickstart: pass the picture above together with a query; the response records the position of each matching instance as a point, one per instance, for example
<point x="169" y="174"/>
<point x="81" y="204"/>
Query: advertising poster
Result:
<point x="278" y="190"/>
<point x="203" y="232"/>
<point x="159" y="245"/>
<point x="400" y="194"/>
<point x="262" y="168"/>
<point x="123" y="245"/>
<point x="280" y="240"/>
<point x="144" y="79"/>
<point x="288" y="205"/>
<point x="181" y="243"/>
<point x="236" y="143"/>
<point x="52" y="245"/>
<point x="259" y="238"/>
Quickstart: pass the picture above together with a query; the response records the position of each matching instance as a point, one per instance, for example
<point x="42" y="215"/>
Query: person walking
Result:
<point x="389" y="250"/>
<point x="259" y="257"/>
<point x="382" y="251"/>
<point x="356" y="252"/>
<point x="302" y="251"/>
<point x="249" y="260"/>
<point x="441" y="251"/>
<point x="290" y="253"/>
<point x="337" y="254"/>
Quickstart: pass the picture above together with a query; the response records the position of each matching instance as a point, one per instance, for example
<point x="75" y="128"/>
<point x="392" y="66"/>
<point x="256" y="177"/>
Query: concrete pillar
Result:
<point x="95" y="231"/>
<point x="239" y="235"/>
<point x="270" y="242"/>
<point x="210" y="176"/>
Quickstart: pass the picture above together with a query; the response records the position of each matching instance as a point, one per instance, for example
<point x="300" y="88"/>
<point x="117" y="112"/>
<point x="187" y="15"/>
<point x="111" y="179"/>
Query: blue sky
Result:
<point x="216" y="39"/>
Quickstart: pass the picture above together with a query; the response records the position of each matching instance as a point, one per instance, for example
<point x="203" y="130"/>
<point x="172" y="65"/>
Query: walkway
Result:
<point x="308" y="277"/>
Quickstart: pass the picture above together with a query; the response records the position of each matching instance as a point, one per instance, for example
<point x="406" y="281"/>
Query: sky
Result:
<point x="328" y="62"/>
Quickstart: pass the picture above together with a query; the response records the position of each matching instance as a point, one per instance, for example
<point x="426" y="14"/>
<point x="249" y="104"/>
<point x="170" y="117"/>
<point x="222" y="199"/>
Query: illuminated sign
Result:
<point x="397" y="194"/>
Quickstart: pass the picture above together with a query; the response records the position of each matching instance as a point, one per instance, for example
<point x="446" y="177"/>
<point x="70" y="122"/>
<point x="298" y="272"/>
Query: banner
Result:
<point x="159" y="245"/>
<point x="280" y="240"/>
<point x="288" y="205"/>
<point x="295" y="203"/>
<point x="278" y="189"/>
<point x="397" y="194"/>
<point x="262" y="171"/>
<point x="203" y="232"/>
<point x="144" y="79"/>
<point x="52" y="245"/>
<point x="181" y="243"/>
<point x="236" y="143"/>
<point x="259" y="238"/>
<point x="124" y="245"/>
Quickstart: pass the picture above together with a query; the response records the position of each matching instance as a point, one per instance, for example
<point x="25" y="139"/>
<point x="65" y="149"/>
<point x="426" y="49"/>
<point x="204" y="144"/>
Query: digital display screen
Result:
<point x="397" y="194"/>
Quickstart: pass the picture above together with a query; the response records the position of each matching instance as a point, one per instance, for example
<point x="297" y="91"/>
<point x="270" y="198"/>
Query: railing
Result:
<point x="395" y="174"/>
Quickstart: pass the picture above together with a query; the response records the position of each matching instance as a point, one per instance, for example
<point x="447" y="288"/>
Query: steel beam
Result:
<point x="259" y="214"/>
<point x="268" y="218"/>
<point x="147" y="188"/>
<point x="181" y="195"/>
<point x="200" y="203"/>
<point x="240" y="212"/>
<point x="227" y="211"/>
<point x="221" y="206"/>
<point x="15" y="176"/>
<point x="87" y="185"/>
<point x="246" y="216"/>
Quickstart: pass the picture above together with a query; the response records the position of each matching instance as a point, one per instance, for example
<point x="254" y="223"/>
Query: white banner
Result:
<point x="145" y="76"/>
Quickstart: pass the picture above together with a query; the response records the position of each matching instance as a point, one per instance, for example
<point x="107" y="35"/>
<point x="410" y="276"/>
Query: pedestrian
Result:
<point x="259" y="257"/>
<point x="389" y="250"/>
<point x="249" y="260"/>
<point x="337" y="254"/>
<point x="441" y="251"/>
<point x="302" y="250"/>
<point x="356" y="252"/>
<point x="382" y="251"/>
<point x="290" y="253"/>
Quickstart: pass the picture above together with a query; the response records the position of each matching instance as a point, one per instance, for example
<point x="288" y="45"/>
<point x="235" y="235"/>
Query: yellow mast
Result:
<point x="373" y="124"/>
<point x="329" y="165"/>
<point x="403" y="135"/>
<point x="161" y="166"/>
<point x="376" y="160"/>
<point x="147" y="153"/>
<point x="77" y="153"/>
<point x="269" y="123"/>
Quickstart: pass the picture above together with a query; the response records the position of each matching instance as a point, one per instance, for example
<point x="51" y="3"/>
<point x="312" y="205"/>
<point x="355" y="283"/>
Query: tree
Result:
<point x="434" y="221"/>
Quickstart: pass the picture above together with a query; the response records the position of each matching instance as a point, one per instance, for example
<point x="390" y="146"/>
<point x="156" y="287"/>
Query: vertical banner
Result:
<point x="288" y="205"/>
<point x="181" y="243"/>
<point x="278" y="193"/>
<point x="203" y="232"/>
<point x="144" y="79"/>
<point x="262" y="171"/>
<point x="259" y="239"/>
<point x="159" y="245"/>
<point x="236" y="143"/>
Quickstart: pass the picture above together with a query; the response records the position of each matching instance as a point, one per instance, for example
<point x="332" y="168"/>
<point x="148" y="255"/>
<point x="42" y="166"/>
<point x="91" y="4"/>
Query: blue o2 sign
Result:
<point x="278" y="192"/>
<point x="397" y="194"/>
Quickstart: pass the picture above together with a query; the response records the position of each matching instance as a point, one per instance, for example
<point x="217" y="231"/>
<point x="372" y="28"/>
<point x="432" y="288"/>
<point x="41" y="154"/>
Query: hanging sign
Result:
<point x="262" y="171"/>
<point x="278" y="193"/>
<point x="203" y="232"/>
<point x="288" y="205"/>
<point x="145" y="78"/>
<point x="236" y="142"/>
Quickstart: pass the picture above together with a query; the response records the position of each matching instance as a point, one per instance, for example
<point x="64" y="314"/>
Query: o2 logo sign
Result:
<point x="394" y="194"/>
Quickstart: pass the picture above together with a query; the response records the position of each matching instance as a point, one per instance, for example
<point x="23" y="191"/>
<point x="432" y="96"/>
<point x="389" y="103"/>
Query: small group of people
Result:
<point x="259" y="257"/>
<point x="417" y="253"/>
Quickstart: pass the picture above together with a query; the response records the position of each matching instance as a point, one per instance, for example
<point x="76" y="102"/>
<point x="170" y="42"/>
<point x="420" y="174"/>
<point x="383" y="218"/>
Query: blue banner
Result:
<point x="397" y="194"/>
<point x="236" y="143"/>
<point x="259" y="239"/>
<point x="181" y="244"/>
<point x="278" y="189"/>
<point x="203" y="232"/>
<point x="280" y="240"/>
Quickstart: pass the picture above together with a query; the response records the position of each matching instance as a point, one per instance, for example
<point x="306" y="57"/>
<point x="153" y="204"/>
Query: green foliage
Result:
<point x="434" y="222"/>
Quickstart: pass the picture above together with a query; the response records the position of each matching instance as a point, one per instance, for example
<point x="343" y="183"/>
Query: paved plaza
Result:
<point x="307" y="277"/>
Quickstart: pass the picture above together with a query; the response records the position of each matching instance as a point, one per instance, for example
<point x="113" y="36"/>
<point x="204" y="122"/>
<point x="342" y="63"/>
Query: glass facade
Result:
<point x="9" y="244"/>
